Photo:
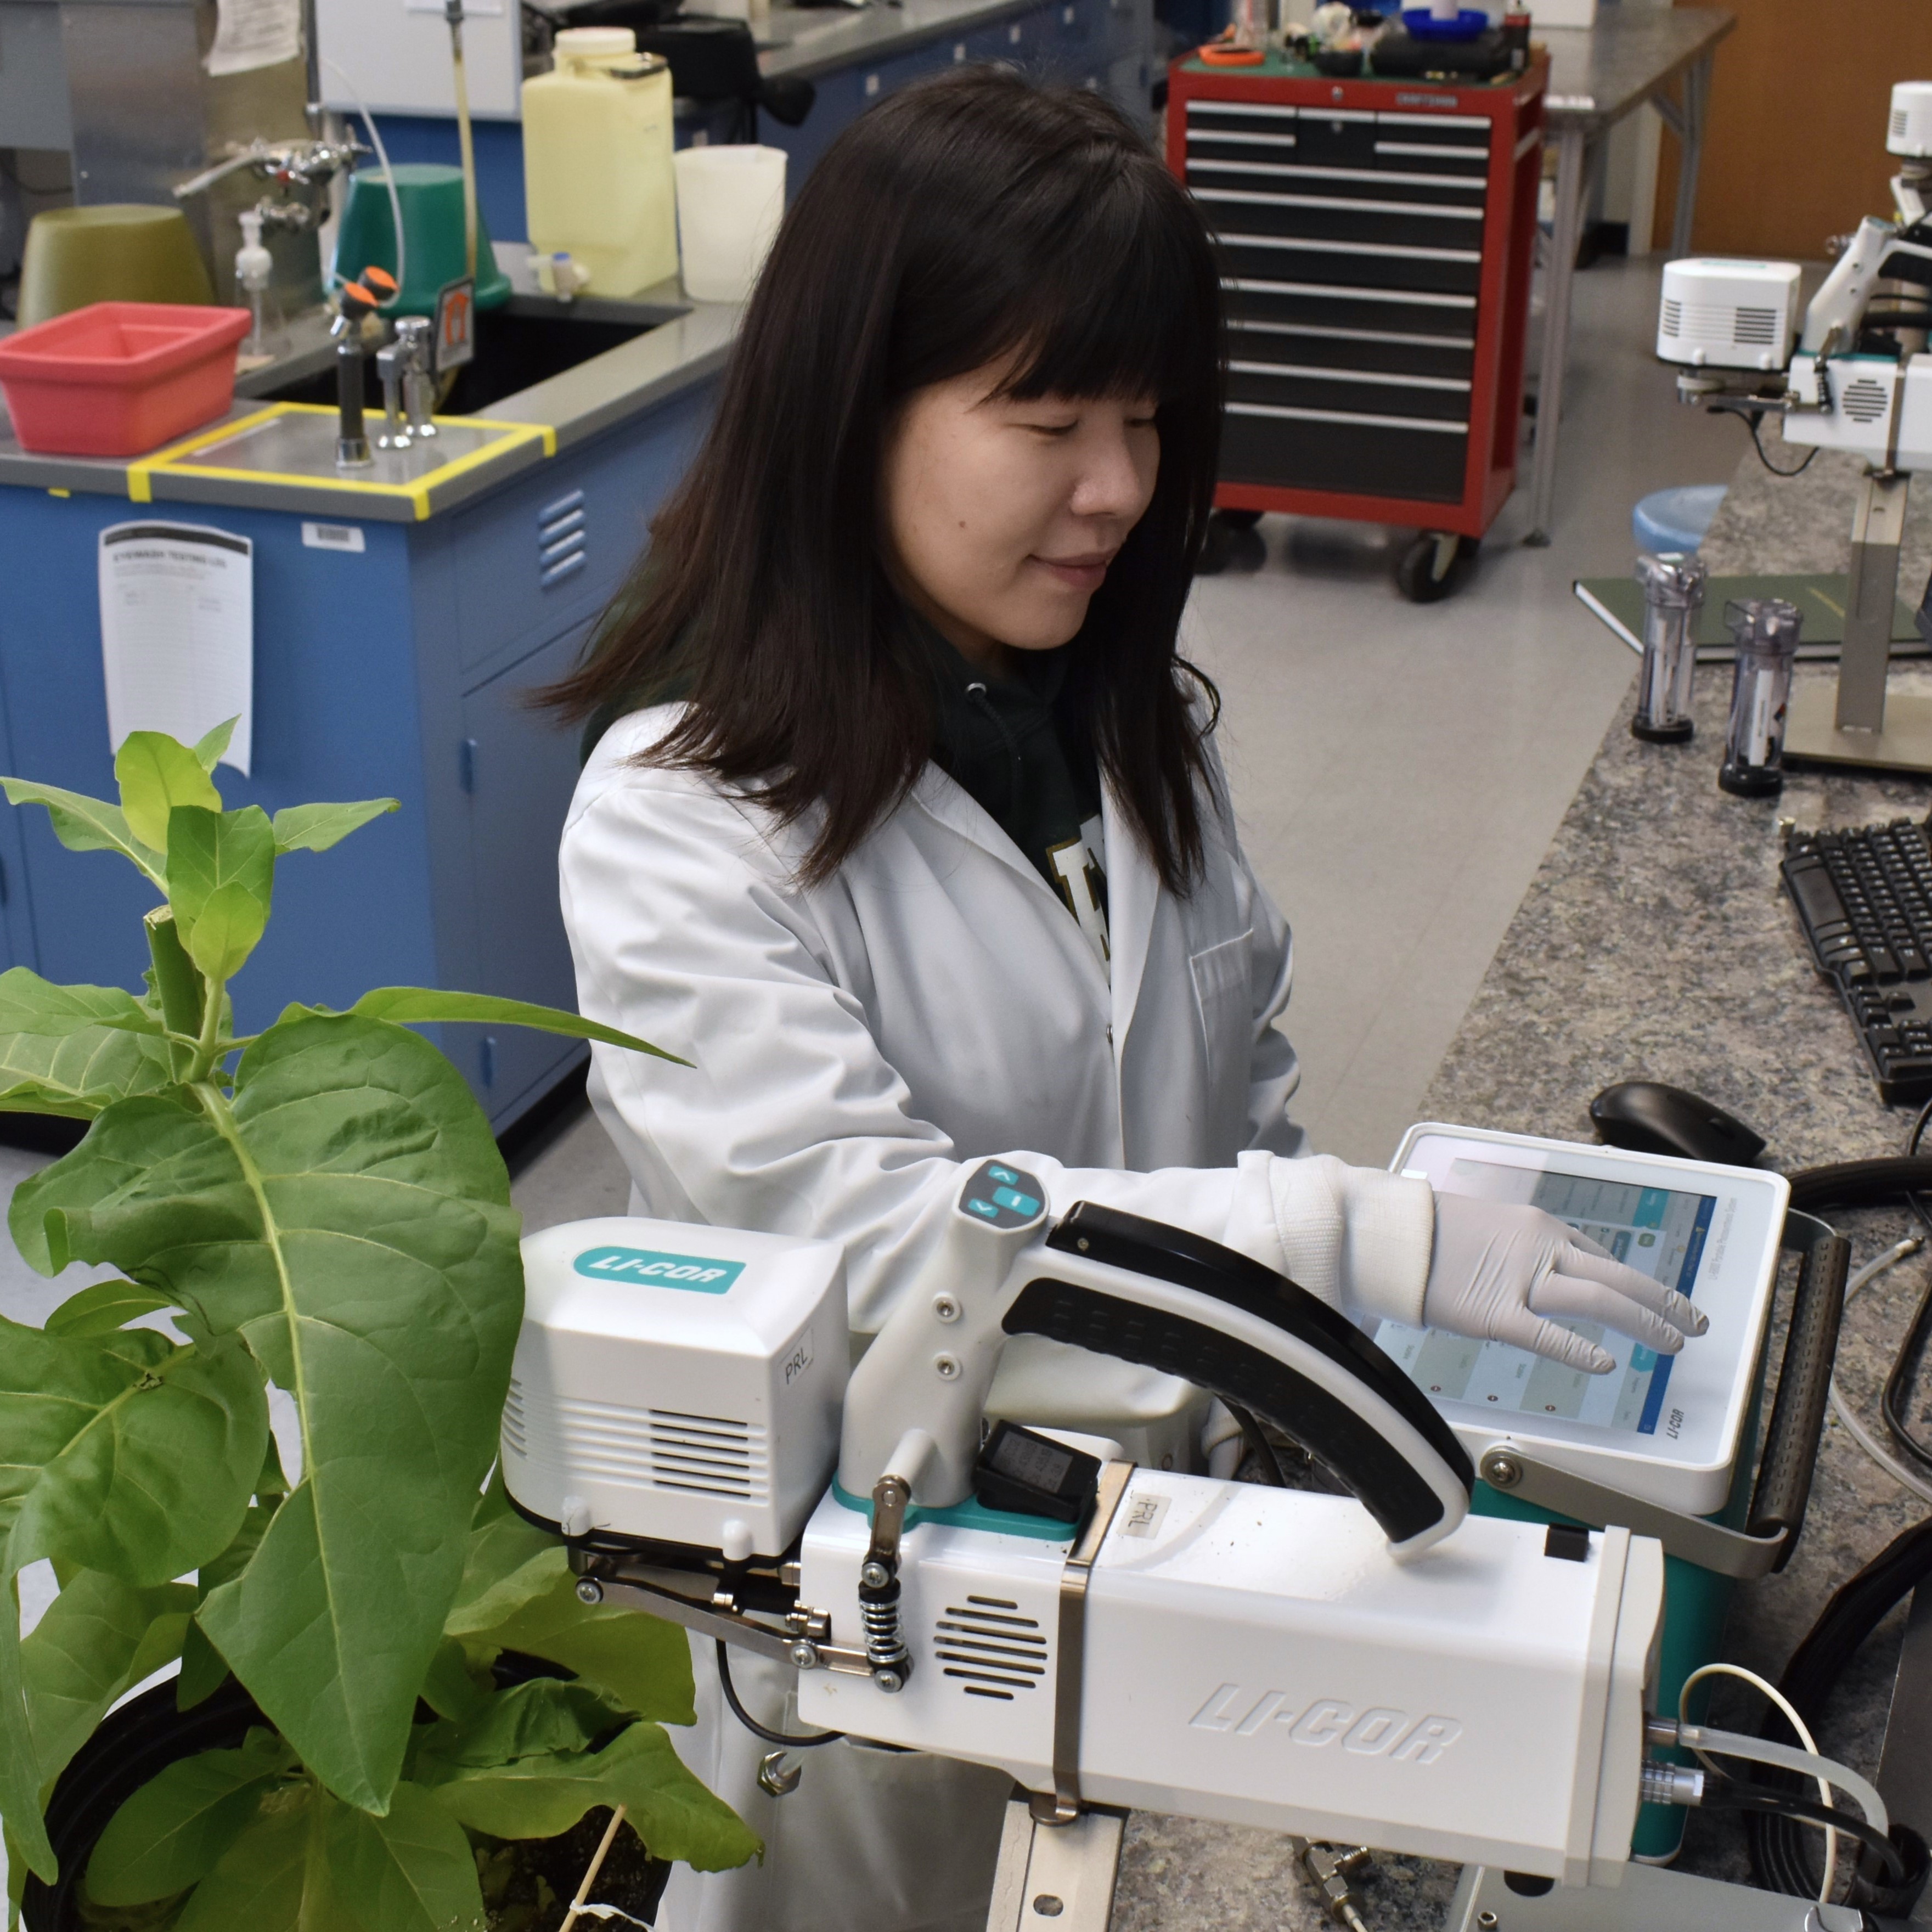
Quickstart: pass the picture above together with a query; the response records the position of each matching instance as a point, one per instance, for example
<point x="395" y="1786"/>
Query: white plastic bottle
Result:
<point x="597" y="184"/>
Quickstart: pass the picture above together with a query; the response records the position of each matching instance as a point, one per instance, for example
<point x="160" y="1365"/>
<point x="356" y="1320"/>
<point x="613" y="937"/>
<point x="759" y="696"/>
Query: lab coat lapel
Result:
<point x="1133" y="892"/>
<point x="945" y="799"/>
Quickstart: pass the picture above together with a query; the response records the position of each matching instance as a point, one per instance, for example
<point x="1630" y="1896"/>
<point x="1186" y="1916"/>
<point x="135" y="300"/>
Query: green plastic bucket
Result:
<point x="431" y="195"/>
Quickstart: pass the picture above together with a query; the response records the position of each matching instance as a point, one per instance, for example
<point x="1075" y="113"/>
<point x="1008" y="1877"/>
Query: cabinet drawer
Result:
<point x="1252" y="254"/>
<point x="1277" y="209"/>
<point x="1341" y="452"/>
<point x="1420" y="400"/>
<point x="1273" y="297"/>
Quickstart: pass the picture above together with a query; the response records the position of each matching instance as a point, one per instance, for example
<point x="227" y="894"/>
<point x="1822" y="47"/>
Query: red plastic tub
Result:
<point x="120" y="378"/>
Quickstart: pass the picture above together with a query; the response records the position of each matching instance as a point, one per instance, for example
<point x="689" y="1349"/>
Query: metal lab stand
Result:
<point x="1598" y="75"/>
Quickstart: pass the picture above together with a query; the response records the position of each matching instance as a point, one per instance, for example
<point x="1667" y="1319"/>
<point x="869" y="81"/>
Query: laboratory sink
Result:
<point x="518" y="345"/>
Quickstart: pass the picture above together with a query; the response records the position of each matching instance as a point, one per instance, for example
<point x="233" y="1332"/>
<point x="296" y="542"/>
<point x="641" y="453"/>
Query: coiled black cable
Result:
<point x="1726" y="1796"/>
<point x="751" y="1724"/>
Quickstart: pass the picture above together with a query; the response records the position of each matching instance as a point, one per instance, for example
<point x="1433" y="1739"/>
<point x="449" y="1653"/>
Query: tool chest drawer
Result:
<point x="1374" y="241"/>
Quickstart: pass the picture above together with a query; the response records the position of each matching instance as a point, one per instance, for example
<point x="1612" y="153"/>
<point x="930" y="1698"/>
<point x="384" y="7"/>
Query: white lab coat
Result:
<point x="856" y="1045"/>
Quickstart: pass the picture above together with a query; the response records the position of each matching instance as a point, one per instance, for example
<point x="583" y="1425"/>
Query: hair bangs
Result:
<point x="1126" y="305"/>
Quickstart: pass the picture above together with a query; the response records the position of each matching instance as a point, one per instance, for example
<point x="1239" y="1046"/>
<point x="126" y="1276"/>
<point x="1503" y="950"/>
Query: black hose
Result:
<point x="1728" y="1796"/>
<point x="1780" y="1848"/>
<point x="751" y="1724"/>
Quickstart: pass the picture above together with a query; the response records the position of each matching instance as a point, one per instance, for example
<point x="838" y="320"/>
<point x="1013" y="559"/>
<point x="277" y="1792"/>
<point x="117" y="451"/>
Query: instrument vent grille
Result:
<point x="663" y="1449"/>
<point x="1673" y="317"/>
<point x="514" y="1434"/>
<point x="1757" y="327"/>
<point x="1898" y="124"/>
<point x="1865" y="401"/>
<point x="990" y="1648"/>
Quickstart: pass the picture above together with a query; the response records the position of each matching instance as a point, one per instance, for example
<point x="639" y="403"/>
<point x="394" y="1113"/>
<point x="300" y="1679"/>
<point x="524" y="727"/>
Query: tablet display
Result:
<point x="1660" y="1231"/>
<point x="1710" y="1233"/>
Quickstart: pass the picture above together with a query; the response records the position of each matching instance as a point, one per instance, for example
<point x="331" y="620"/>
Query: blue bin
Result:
<point x="1675" y="520"/>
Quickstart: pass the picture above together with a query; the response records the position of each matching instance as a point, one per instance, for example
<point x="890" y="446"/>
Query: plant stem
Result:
<point x="185" y="1004"/>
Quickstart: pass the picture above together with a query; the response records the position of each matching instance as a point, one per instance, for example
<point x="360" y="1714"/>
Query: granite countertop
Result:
<point x="1598" y="74"/>
<point x="1654" y="942"/>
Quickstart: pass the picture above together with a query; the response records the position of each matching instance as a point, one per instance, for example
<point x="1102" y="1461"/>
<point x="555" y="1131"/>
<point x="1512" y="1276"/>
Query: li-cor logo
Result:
<point x="1378" y="1732"/>
<point x="699" y="1273"/>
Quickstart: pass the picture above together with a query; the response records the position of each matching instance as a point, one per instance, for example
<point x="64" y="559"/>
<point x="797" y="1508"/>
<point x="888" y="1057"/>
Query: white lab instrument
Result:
<point x="598" y="183"/>
<point x="1374" y="1668"/>
<point x="1719" y="313"/>
<point x="1665" y="1428"/>
<point x="1858" y="379"/>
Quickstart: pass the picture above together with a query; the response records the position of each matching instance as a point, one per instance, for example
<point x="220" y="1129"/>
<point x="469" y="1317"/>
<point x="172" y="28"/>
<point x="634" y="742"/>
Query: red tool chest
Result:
<point x="1377" y="239"/>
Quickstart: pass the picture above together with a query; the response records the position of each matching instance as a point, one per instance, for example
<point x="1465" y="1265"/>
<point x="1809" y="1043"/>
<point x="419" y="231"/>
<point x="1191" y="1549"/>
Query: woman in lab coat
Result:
<point x="904" y="821"/>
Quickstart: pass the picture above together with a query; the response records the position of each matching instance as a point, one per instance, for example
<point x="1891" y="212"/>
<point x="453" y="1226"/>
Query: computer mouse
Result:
<point x="1653" y="1118"/>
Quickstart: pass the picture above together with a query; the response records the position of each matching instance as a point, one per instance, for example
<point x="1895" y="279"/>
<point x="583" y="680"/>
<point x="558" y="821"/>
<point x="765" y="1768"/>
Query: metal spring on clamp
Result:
<point x="885" y="1648"/>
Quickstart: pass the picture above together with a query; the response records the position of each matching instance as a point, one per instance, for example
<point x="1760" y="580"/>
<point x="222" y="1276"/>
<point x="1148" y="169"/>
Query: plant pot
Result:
<point x="133" y="1743"/>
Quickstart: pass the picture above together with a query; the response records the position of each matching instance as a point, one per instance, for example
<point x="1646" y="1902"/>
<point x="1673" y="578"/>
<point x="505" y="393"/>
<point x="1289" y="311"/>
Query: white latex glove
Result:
<point x="1498" y="1270"/>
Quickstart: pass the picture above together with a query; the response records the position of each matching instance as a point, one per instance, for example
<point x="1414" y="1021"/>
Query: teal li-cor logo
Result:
<point x="698" y="1273"/>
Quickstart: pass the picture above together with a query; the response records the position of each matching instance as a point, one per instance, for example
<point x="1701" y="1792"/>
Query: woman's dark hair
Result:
<point x="960" y="222"/>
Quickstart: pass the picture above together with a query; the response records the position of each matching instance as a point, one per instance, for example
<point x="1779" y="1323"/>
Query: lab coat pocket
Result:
<point x="1222" y="996"/>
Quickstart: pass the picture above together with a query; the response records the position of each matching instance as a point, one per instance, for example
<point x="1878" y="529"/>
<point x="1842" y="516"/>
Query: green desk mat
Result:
<point x="1619" y="602"/>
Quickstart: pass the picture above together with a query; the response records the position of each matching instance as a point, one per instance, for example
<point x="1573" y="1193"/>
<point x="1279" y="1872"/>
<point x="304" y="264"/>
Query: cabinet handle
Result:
<point x="486" y="1060"/>
<point x="466" y="765"/>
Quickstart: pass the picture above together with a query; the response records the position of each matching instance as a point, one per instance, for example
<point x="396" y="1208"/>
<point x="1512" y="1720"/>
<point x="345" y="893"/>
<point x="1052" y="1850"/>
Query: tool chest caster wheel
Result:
<point x="1432" y="565"/>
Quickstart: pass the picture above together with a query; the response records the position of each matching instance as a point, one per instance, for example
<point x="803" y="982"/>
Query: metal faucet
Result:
<point x="413" y="334"/>
<point x="352" y="440"/>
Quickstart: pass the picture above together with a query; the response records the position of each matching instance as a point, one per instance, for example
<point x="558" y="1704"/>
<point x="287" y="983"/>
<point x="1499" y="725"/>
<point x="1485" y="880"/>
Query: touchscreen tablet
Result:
<point x="1666" y="1427"/>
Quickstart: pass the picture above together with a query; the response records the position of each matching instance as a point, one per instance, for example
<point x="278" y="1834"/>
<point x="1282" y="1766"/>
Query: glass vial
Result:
<point x="1673" y="594"/>
<point x="1766" y="631"/>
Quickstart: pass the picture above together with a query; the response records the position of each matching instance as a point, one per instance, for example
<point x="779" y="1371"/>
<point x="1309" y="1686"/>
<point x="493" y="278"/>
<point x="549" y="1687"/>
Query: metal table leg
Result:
<point x="1573" y="147"/>
<point x="1688" y="125"/>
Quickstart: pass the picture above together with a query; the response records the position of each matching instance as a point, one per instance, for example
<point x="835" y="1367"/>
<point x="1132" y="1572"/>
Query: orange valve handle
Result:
<point x="1217" y="55"/>
<point x="380" y="279"/>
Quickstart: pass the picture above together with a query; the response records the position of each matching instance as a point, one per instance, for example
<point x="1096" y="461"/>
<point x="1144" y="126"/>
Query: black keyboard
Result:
<point x="1864" y="897"/>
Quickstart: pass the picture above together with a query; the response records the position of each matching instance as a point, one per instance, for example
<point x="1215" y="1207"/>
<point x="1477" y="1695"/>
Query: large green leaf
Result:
<point x="533" y="1720"/>
<point x="348" y="1215"/>
<point x="204" y="1669"/>
<point x="78" y="1075"/>
<point x="410" y="1870"/>
<point x="275" y="1876"/>
<point x="315" y="828"/>
<point x="517" y="1593"/>
<point x="29" y="1004"/>
<point x="642" y="1662"/>
<point x="84" y="824"/>
<point x="125" y="1453"/>
<point x="156" y="773"/>
<point x="421" y="1006"/>
<point x="209" y="852"/>
<point x="98" y="1639"/>
<point x="538" y="1795"/>
<point x="176" y="1829"/>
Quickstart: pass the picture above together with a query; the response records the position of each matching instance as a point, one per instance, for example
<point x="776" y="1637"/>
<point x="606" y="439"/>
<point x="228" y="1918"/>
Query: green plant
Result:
<point x="320" y="1206"/>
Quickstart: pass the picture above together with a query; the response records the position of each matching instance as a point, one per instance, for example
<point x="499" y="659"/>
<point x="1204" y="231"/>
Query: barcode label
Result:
<point x="333" y="536"/>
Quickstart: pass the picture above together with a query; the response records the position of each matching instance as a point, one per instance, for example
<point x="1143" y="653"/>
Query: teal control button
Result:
<point x="1020" y="1204"/>
<point x="698" y="1274"/>
<point x="1005" y="1174"/>
<point x="1002" y="1197"/>
<point x="985" y="1207"/>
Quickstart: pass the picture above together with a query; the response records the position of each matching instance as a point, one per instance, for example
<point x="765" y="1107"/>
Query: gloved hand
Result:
<point x="1498" y="1269"/>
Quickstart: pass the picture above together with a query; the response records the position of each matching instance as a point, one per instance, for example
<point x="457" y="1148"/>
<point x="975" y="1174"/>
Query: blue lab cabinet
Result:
<point x="402" y="670"/>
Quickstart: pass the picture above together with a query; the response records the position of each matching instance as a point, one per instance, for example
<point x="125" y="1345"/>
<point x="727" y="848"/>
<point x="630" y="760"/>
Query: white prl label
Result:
<point x="1140" y="1514"/>
<point x="345" y="537"/>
